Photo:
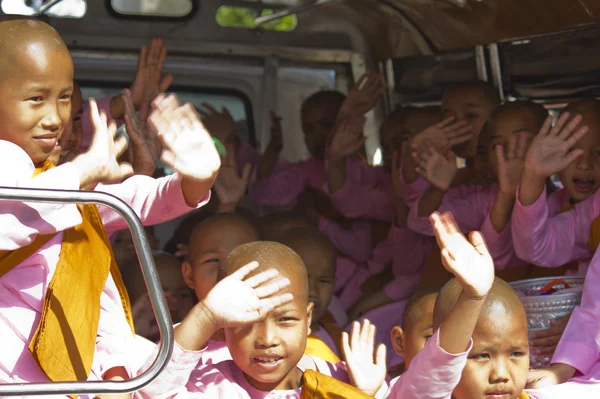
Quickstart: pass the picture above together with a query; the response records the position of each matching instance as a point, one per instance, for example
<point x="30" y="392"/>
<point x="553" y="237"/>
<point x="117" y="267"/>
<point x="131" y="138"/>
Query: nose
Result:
<point x="267" y="335"/>
<point x="499" y="372"/>
<point x="51" y="121"/>
<point x="584" y="162"/>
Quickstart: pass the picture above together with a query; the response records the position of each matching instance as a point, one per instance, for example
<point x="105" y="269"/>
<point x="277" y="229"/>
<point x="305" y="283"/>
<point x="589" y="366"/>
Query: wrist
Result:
<point x="531" y="175"/>
<point x="563" y="372"/>
<point x="87" y="173"/>
<point x="205" y="317"/>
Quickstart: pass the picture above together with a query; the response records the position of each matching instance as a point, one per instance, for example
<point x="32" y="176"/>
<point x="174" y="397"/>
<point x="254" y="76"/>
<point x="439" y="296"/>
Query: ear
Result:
<point x="309" y="312"/>
<point x="187" y="271"/>
<point x="397" y="338"/>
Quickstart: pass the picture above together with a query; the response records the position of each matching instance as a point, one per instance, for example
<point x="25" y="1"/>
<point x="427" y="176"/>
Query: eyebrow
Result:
<point x="470" y="105"/>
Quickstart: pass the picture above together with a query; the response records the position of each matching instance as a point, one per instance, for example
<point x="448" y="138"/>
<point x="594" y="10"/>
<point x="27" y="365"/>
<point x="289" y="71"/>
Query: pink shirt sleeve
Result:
<point x="579" y="346"/>
<point x="87" y="129"/>
<point x="153" y="200"/>
<point x="355" y="243"/>
<point x="414" y="190"/>
<point x="246" y="154"/>
<point x="553" y="241"/>
<point x="469" y="204"/>
<point x="500" y="245"/>
<point x="22" y="222"/>
<point x="433" y="373"/>
<point x="367" y="193"/>
<point x="285" y="184"/>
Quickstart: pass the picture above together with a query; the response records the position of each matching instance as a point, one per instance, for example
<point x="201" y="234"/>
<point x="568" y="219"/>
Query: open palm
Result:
<point x="237" y="300"/>
<point x="438" y="169"/>
<point x="230" y="185"/>
<point x="511" y="162"/>
<point x="468" y="260"/>
<point x="550" y="151"/>
<point x="444" y="135"/>
<point x="367" y="371"/>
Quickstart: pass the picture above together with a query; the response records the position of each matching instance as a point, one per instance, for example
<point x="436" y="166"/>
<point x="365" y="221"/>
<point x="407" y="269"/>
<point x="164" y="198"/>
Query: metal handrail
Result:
<point x="151" y="279"/>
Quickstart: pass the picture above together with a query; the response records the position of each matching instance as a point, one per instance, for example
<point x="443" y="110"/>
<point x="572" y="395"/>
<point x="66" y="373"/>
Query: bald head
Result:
<point x="588" y="108"/>
<point x="269" y="255"/>
<point x="307" y="236"/>
<point x="20" y="38"/>
<point x="502" y="298"/>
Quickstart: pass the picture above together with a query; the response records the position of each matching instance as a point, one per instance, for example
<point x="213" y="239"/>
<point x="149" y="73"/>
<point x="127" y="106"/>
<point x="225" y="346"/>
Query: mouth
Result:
<point x="267" y="363"/>
<point x="48" y="142"/>
<point x="584" y="185"/>
<point x="498" y="395"/>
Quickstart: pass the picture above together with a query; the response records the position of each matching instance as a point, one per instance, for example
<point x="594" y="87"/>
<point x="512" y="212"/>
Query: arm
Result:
<point x="268" y="161"/>
<point x="356" y="243"/>
<point x="347" y="139"/>
<point x="282" y="187"/>
<point x="552" y="241"/>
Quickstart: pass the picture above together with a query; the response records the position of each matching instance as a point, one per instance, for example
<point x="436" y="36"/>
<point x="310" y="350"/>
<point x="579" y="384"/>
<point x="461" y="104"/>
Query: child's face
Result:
<point x="71" y="138"/>
<point x="320" y="266"/>
<point x="498" y="364"/>
<point x="318" y="122"/>
<point x="510" y="123"/>
<point x="208" y="249"/>
<point x="468" y="104"/>
<point x="582" y="177"/>
<point x="268" y="352"/>
<point x="36" y="99"/>
<point x="180" y="298"/>
<point x="411" y="339"/>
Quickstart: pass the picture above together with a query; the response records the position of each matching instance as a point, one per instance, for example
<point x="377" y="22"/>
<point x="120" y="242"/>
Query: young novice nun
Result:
<point x="266" y="335"/>
<point x="480" y="348"/>
<point x="64" y="313"/>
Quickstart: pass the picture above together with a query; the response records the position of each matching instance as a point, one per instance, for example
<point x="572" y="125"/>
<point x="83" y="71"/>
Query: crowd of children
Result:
<point x="414" y="256"/>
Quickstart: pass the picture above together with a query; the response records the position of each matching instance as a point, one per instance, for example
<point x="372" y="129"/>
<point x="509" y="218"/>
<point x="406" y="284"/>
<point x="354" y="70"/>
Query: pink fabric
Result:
<point x="355" y="243"/>
<point x="87" y="129"/>
<point x="246" y="154"/>
<point x="434" y="373"/>
<point x="23" y="289"/>
<point x="414" y="190"/>
<point x="546" y="238"/>
<point x="324" y="336"/>
<point x="385" y="318"/>
<point x="182" y="379"/>
<point x="368" y="192"/>
<point x="471" y="207"/>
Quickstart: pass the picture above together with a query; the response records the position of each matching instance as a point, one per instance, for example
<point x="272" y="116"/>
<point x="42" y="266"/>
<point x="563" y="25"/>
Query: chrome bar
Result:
<point x="157" y="300"/>
<point x="496" y="69"/>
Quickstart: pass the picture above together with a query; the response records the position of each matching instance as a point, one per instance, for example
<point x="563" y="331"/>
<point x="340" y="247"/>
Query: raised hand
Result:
<point x="99" y="164"/>
<point x="444" y="135"/>
<point x="149" y="82"/>
<point x="550" y="151"/>
<point x="439" y="170"/>
<point x="557" y="373"/>
<point x="367" y="370"/>
<point x="364" y="95"/>
<point x="145" y="146"/>
<point x="219" y="124"/>
<point x="347" y="139"/>
<point x="254" y="297"/>
<point x="188" y="147"/>
<point x="230" y="185"/>
<point x="511" y="161"/>
<point x="468" y="260"/>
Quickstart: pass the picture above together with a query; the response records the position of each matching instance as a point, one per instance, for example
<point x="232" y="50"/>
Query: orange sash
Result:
<point x="65" y="340"/>
<point x="320" y="386"/>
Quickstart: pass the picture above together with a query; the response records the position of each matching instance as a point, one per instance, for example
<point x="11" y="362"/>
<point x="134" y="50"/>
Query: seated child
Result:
<point x="417" y="327"/>
<point x="554" y="231"/>
<point x="465" y="110"/>
<point x="265" y="334"/>
<point x="510" y="130"/>
<point x="480" y="347"/>
<point x="60" y="254"/>
<point x="210" y="243"/>
<point x="319" y="257"/>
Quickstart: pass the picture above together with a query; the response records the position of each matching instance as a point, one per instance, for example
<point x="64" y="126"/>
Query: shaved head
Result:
<point x="21" y="36"/>
<point x="588" y="108"/>
<point x="301" y="236"/>
<point x="501" y="298"/>
<point x="269" y="255"/>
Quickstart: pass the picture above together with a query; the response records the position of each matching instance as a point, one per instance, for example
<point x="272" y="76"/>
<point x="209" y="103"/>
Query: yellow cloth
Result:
<point x="320" y="386"/>
<point x="594" y="239"/>
<point x="523" y="395"/>
<point x="318" y="348"/>
<point x="64" y="343"/>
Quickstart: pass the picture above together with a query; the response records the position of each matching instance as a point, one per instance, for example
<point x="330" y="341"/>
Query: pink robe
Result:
<point x="182" y="378"/>
<point x="547" y="238"/>
<point x="434" y="373"/>
<point x="471" y="207"/>
<point x="22" y="290"/>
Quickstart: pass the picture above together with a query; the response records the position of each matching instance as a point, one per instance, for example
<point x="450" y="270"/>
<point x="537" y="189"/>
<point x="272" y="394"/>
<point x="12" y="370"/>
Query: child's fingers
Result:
<point x="168" y="157"/>
<point x="165" y="83"/>
<point x="380" y="355"/>
<point x="499" y="149"/>
<point x="364" y="333"/>
<point x="345" y="346"/>
<point x="571" y="157"/>
<point x="371" y="338"/>
<point x="120" y="145"/>
<point x="575" y="137"/>
<point x="264" y="291"/>
<point x="478" y="241"/>
<point x="562" y="119"/>
<point x="445" y="122"/>
<point x="243" y="271"/>
<point x="355" y="336"/>
<point x="521" y="150"/>
<point x="162" y="56"/>
<point x="546" y="126"/>
<point x="448" y="260"/>
<point x="126" y="169"/>
<point x="262" y="278"/>
<point x="463" y="137"/>
<point x="268" y="304"/>
<point x="142" y="57"/>
<point x="247" y="173"/>
<point x="549" y="340"/>
<point x="512" y="146"/>
<point x="94" y="114"/>
<point x="570" y="127"/>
